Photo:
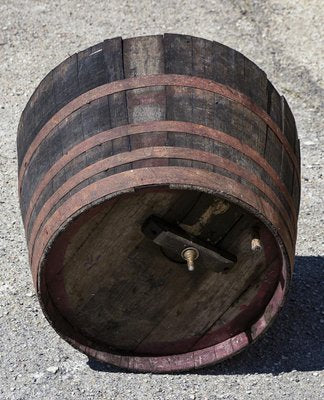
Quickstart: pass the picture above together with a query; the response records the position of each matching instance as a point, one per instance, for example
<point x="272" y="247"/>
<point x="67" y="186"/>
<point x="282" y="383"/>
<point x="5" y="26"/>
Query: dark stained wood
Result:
<point x="287" y="171"/>
<point x="179" y="101"/>
<point x="78" y="73"/>
<point x="178" y="54"/>
<point x="177" y="127"/>
<point x="274" y="104"/>
<point x="117" y="102"/>
<point x="223" y="151"/>
<point x="36" y="113"/>
<point x="202" y="304"/>
<point x="65" y="81"/>
<point x="255" y="83"/>
<point x="149" y="278"/>
<point x="148" y="81"/>
<point x="220" y="222"/>
<point x="296" y="191"/>
<point x="273" y="151"/>
<point x="134" y="213"/>
<point x="288" y="123"/>
<point x="37" y="169"/>
<point x="145" y="56"/>
<point x="81" y="180"/>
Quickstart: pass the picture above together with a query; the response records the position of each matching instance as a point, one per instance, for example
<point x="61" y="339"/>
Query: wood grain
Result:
<point x="183" y="129"/>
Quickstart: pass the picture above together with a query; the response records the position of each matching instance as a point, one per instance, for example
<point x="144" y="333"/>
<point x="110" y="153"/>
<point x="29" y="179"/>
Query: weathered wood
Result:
<point x="273" y="151"/>
<point x="202" y="304"/>
<point x="145" y="56"/>
<point x="274" y="104"/>
<point x="176" y="127"/>
<point x="231" y="125"/>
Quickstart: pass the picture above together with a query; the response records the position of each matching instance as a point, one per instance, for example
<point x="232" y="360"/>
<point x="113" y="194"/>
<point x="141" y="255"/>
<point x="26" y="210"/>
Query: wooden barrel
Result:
<point x="159" y="182"/>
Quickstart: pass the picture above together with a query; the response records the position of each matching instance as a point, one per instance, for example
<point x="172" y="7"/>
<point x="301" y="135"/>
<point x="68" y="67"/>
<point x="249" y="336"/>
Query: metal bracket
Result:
<point x="176" y="244"/>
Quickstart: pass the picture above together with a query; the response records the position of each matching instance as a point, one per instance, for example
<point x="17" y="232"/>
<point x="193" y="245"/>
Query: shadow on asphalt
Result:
<point x="294" y="342"/>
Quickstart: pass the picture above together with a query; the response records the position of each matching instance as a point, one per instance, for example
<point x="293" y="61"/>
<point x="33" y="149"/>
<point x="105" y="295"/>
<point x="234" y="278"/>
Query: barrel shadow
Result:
<point x="294" y="342"/>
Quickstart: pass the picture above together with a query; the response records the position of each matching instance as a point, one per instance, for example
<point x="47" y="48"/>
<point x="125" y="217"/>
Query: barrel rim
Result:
<point x="197" y="358"/>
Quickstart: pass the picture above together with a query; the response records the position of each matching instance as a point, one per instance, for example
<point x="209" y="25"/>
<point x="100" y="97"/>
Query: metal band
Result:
<point x="173" y="363"/>
<point x="129" y="180"/>
<point x="156" y="126"/>
<point x="147" y="81"/>
<point x="148" y="153"/>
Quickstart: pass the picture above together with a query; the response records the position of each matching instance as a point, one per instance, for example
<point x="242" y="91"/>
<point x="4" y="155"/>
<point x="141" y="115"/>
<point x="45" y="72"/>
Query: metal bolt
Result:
<point x="190" y="254"/>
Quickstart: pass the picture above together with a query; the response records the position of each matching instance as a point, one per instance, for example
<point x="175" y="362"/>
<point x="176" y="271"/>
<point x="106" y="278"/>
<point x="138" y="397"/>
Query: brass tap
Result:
<point x="190" y="254"/>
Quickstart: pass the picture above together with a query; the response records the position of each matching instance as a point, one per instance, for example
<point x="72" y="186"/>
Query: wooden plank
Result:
<point x="244" y="310"/>
<point x="210" y="295"/>
<point x="273" y="151"/>
<point x="253" y="131"/>
<point x="222" y="110"/>
<point x="156" y="288"/>
<point x="113" y="51"/>
<point x="95" y="118"/>
<point x="85" y="232"/>
<point x="178" y="54"/>
<point x="220" y="224"/>
<point x="111" y="231"/>
<point x="182" y="206"/>
<point x="179" y="103"/>
<point x="210" y="219"/>
<point x="87" y="69"/>
<point x="186" y="104"/>
<point x="203" y="58"/>
<point x="224" y="70"/>
<point x="46" y="194"/>
<point x="256" y="83"/>
<point x="203" y="114"/>
<point x="179" y="108"/>
<point x="117" y="104"/>
<point x="296" y="191"/>
<point x="65" y="81"/>
<point x="252" y="81"/>
<point x="44" y="158"/>
<point x="288" y="123"/>
<point x="38" y="110"/>
<point x="287" y="171"/>
<point x="145" y="56"/>
<point x="91" y="68"/>
<point x="274" y="106"/>
<point x="74" y="129"/>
